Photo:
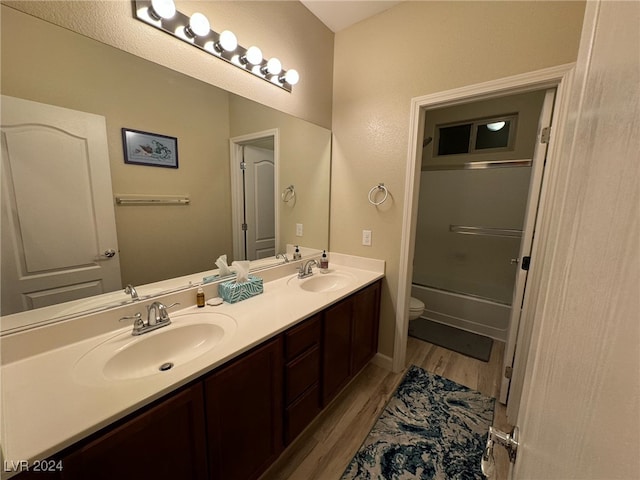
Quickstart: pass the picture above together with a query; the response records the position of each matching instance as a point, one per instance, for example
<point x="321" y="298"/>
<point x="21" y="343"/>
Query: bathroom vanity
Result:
<point x="226" y="414"/>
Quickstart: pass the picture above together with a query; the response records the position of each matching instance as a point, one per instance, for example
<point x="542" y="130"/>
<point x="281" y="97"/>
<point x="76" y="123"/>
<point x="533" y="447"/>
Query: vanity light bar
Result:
<point x="224" y="45"/>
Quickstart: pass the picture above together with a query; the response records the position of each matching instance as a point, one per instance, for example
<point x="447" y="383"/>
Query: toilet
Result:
<point x="416" y="307"/>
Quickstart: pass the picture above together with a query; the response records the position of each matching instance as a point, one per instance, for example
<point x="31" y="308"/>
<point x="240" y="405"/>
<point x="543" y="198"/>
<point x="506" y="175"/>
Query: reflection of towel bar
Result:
<point x="486" y="231"/>
<point x="152" y="200"/>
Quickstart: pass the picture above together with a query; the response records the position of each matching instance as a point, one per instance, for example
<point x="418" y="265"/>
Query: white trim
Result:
<point x="540" y="79"/>
<point x="235" y="156"/>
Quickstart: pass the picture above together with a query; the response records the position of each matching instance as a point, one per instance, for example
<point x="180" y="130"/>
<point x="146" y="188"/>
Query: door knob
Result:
<point x="109" y="253"/>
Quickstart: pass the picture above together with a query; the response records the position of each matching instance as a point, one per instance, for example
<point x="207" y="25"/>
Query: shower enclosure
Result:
<point x="474" y="188"/>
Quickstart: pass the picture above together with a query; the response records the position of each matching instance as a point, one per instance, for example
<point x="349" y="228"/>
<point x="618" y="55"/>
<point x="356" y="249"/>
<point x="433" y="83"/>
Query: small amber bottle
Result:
<point x="200" y="298"/>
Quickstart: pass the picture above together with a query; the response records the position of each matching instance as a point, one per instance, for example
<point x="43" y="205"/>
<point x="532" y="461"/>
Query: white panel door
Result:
<point x="58" y="225"/>
<point x="580" y="410"/>
<point x="259" y="202"/>
<point x="535" y="183"/>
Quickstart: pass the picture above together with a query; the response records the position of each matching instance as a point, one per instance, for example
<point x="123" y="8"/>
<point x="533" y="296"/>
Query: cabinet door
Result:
<point x="336" y="349"/>
<point x="365" y="321"/>
<point x="166" y="441"/>
<point x="244" y="414"/>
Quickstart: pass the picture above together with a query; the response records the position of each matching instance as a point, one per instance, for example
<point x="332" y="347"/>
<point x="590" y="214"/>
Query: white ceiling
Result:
<point x="339" y="14"/>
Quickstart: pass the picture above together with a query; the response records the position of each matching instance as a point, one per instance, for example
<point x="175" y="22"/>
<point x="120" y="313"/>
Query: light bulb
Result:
<point x="198" y="25"/>
<point x="162" y="9"/>
<point x="253" y="56"/>
<point x="495" y="126"/>
<point x="292" y="77"/>
<point x="274" y="67"/>
<point x="228" y="41"/>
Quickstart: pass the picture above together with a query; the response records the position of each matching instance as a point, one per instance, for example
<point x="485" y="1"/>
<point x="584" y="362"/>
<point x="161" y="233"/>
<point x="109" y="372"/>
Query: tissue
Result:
<point x="223" y="270"/>
<point x="221" y="263"/>
<point x="242" y="267"/>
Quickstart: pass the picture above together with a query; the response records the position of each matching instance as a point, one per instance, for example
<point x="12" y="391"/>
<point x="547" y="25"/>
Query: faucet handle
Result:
<point x="138" y="323"/>
<point x="164" y="316"/>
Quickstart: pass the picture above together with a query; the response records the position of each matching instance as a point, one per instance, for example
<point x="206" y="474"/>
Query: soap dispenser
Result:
<point x="324" y="262"/>
<point x="296" y="254"/>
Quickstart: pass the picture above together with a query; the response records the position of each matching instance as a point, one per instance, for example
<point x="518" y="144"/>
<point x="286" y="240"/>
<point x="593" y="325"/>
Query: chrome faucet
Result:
<point x="157" y="317"/>
<point x="283" y="256"/>
<point x="130" y="290"/>
<point x="153" y="313"/>
<point x="306" y="270"/>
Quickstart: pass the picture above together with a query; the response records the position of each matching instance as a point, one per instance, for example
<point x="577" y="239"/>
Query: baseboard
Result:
<point x="382" y="361"/>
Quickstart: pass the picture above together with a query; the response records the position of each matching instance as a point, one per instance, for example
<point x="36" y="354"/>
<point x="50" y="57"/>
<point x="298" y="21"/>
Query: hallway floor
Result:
<point x="325" y="448"/>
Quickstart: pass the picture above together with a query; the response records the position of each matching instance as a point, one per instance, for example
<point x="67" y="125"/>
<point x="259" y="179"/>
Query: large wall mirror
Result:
<point x="44" y="63"/>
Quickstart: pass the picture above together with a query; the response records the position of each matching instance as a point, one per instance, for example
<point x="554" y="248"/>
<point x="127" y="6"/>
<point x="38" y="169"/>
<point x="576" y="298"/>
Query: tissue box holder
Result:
<point x="233" y="292"/>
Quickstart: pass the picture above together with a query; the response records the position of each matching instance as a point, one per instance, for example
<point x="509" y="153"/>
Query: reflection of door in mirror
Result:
<point x="56" y="195"/>
<point x="254" y="180"/>
<point x="259" y="209"/>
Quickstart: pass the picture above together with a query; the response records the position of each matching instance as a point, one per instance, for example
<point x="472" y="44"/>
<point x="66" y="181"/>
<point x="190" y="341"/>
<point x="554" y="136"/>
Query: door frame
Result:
<point x="559" y="77"/>
<point x="235" y="157"/>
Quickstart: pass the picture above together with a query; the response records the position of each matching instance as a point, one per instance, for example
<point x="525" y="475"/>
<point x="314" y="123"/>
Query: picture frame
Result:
<point x="151" y="149"/>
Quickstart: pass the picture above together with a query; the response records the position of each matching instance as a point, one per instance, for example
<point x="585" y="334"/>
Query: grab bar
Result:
<point x="486" y="231"/>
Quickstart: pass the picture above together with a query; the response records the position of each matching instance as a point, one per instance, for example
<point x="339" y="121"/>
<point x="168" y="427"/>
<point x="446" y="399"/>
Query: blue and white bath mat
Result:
<point x="432" y="428"/>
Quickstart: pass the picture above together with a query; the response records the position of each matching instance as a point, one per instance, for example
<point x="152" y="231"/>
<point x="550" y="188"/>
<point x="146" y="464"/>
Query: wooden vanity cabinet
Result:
<point x="243" y="404"/>
<point x="365" y="321"/>
<point x="336" y="349"/>
<point x="349" y="339"/>
<point x="165" y="441"/>
<point x="301" y="376"/>
<point x="233" y="423"/>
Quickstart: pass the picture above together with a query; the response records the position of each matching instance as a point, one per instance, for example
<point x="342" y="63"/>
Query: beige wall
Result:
<point x="414" y="49"/>
<point x="286" y="30"/>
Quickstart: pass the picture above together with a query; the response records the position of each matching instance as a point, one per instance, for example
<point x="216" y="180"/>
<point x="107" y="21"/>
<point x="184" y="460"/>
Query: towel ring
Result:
<point x="374" y="190"/>
<point x="288" y="194"/>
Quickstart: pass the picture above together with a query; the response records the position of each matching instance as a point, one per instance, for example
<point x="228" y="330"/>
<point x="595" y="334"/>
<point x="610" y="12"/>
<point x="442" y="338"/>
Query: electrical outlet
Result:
<point x="298" y="229"/>
<point x="366" y="238"/>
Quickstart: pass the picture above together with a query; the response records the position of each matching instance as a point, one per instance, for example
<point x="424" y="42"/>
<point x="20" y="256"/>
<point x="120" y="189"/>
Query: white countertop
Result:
<point x="46" y="408"/>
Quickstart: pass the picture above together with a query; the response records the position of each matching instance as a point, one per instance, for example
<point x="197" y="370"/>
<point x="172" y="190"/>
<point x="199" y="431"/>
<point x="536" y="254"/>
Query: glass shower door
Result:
<point x="469" y="230"/>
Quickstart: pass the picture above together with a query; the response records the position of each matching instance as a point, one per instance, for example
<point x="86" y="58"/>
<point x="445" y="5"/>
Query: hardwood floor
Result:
<point x="325" y="448"/>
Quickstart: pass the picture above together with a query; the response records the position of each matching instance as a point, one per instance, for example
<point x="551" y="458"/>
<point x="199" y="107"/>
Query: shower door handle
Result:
<point x="525" y="262"/>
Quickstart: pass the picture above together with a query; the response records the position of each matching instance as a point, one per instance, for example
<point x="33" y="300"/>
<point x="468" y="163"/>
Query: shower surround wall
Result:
<point x="467" y="281"/>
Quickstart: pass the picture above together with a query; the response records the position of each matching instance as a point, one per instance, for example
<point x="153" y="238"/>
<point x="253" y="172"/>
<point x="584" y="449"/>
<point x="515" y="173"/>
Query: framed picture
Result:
<point x="143" y="148"/>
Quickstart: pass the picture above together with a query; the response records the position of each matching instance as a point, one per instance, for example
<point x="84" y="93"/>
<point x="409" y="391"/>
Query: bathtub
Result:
<point x="474" y="314"/>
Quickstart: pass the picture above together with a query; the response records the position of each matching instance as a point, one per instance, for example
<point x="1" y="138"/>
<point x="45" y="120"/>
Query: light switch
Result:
<point x="366" y="238"/>
<point x="298" y="229"/>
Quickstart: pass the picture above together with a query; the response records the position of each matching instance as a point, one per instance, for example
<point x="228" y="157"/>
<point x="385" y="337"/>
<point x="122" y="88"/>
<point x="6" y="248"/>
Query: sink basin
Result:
<point x="324" y="282"/>
<point x="125" y="357"/>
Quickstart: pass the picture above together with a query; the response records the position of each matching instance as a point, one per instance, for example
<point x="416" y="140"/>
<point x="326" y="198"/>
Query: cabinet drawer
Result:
<point x="302" y="337"/>
<point x="301" y="373"/>
<point x="300" y="414"/>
